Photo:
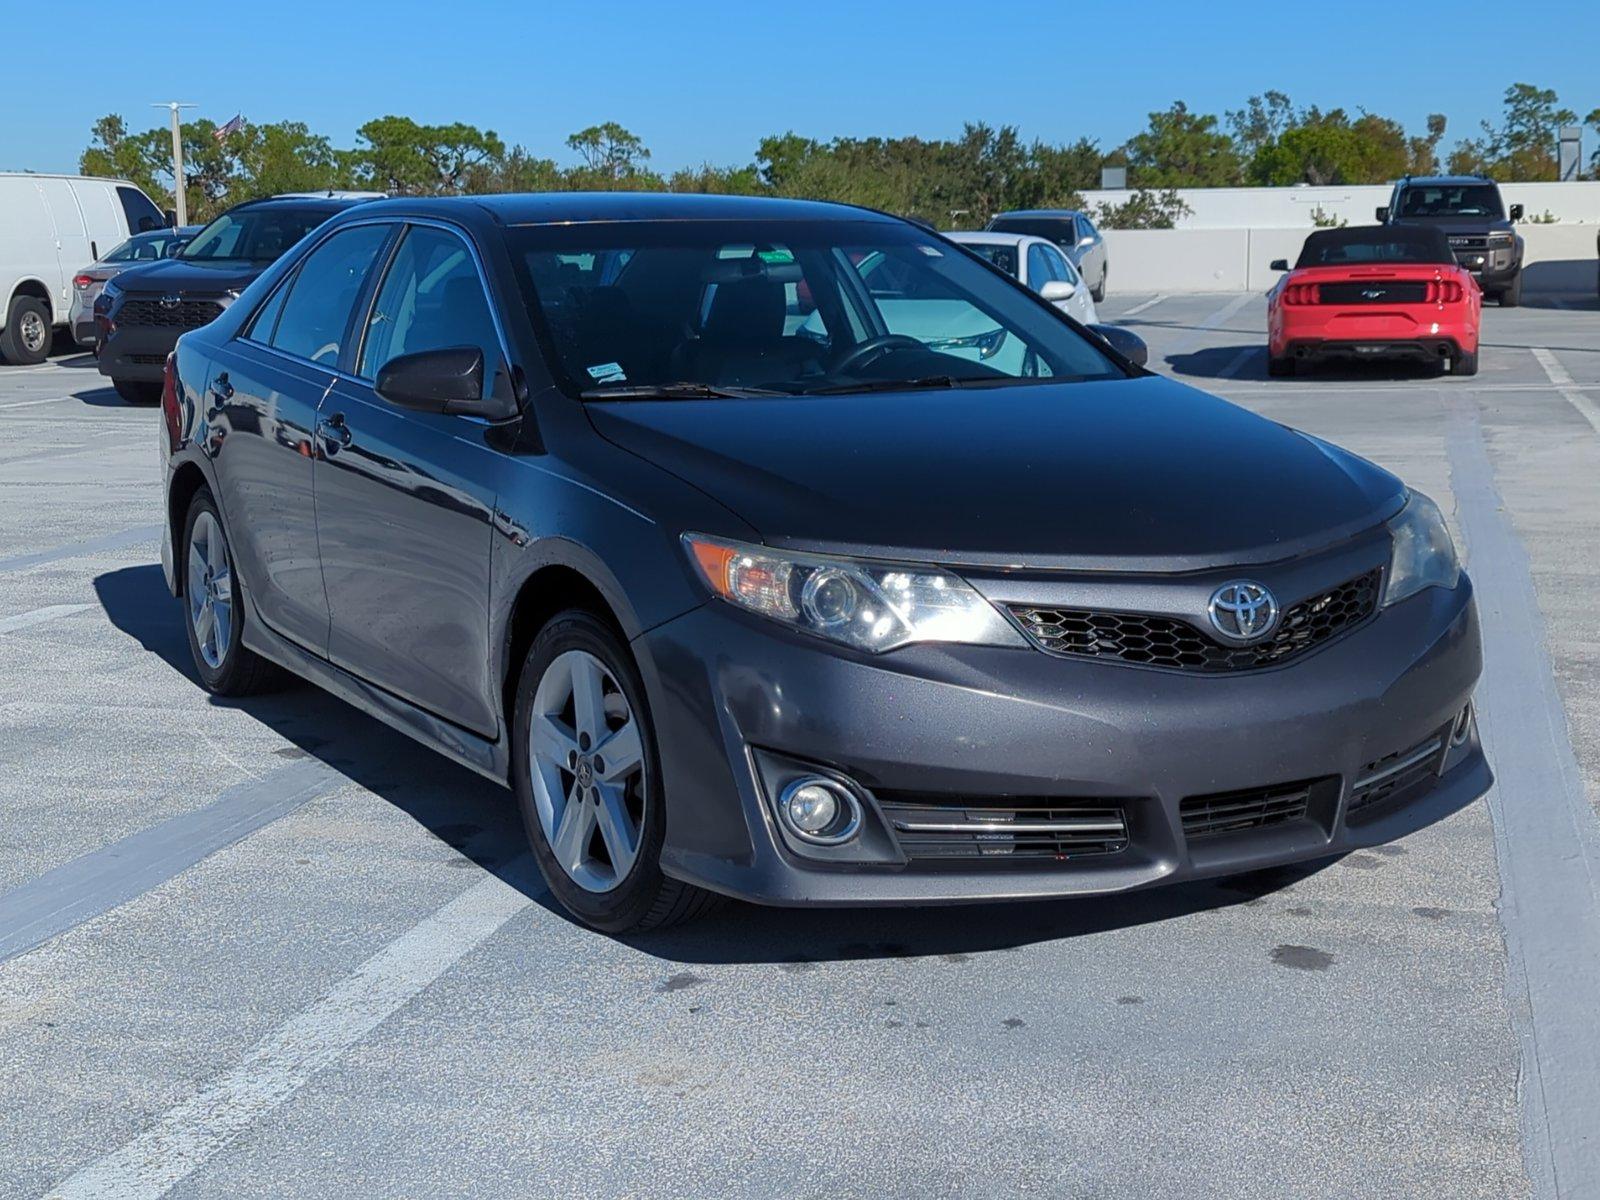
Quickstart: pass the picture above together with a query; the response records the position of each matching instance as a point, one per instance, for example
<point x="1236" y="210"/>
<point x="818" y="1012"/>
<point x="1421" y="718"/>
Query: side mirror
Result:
<point x="1516" y="212"/>
<point x="1383" y="215"/>
<point x="1057" y="289"/>
<point x="1125" y="342"/>
<point x="1085" y="241"/>
<point x="171" y="216"/>
<point x="1278" y="264"/>
<point x="441" y="381"/>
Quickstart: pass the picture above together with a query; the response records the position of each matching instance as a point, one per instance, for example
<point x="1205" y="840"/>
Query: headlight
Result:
<point x="868" y="605"/>
<point x="1423" y="555"/>
<point x="1501" y="238"/>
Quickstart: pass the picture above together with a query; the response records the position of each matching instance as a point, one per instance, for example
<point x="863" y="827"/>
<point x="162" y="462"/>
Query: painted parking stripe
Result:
<point x="35" y="403"/>
<point x="1547" y="840"/>
<point x="187" y="1135"/>
<point x="99" y="881"/>
<point x="112" y="541"/>
<point x="1148" y="304"/>
<point x="1238" y="361"/>
<point x="39" y="616"/>
<point x="1568" y="386"/>
<point x="1215" y="321"/>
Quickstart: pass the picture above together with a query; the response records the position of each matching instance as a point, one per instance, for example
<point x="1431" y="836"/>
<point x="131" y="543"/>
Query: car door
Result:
<point x="262" y="401"/>
<point x="405" y="501"/>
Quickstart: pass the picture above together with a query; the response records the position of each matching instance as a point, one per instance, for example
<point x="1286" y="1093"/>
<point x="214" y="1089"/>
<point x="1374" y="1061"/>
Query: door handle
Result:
<point x="334" y="433"/>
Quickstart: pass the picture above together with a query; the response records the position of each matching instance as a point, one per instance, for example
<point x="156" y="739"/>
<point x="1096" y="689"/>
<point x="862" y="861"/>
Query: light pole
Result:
<point x="179" y="190"/>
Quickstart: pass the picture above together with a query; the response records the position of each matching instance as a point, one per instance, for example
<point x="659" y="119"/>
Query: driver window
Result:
<point x="431" y="299"/>
<point x="316" y="312"/>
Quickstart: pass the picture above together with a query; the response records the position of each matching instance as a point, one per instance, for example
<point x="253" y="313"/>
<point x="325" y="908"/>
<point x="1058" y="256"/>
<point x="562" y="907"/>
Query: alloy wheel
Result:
<point x="586" y="765"/>
<point x="210" y="590"/>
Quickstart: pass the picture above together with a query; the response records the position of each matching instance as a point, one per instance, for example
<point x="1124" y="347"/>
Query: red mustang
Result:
<point x="1382" y="291"/>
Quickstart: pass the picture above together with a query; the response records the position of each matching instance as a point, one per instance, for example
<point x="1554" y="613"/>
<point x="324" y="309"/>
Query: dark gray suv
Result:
<point x="755" y="578"/>
<point x="1474" y="217"/>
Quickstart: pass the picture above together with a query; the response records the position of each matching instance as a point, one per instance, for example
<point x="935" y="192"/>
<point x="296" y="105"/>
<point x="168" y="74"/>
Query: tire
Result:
<point x="25" y="341"/>
<point x="1511" y="297"/>
<point x="225" y="665"/>
<point x="1280" y="368"/>
<point x="563" y="782"/>
<point x="1465" y="363"/>
<point x="1097" y="294"/>
<point x="138" y="391"/>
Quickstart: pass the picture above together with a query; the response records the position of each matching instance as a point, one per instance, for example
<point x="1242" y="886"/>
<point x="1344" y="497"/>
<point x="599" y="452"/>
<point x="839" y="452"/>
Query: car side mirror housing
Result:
<point x="1383" y="215"/>
<point x="1278" y="264"/>
<point x="171" y="217"/>
<point x="1516" y="212"/>
<point x="1125" y="342"/>
<point x="1058" y="289"/>
<point x="441" y="381"/>
<point x="1085" y="241"/>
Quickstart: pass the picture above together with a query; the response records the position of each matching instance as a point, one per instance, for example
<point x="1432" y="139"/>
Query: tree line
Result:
<point x="950" y="183"/>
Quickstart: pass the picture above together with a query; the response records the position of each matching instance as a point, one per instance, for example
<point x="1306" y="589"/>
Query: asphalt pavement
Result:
<point x="272" y="949"/>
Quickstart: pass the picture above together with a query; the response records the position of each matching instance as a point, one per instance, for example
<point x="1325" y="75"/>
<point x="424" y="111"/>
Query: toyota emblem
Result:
<point x="1242" y="611"/>
<point x="171" y="301"/>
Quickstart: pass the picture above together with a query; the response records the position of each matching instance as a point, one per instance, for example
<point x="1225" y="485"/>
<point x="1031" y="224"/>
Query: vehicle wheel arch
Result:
<point x="187" y="481"/>
<point x="34" y="289"/>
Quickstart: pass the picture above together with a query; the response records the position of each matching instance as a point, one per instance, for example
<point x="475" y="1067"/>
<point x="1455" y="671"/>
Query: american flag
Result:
<point x="233" y="126"/>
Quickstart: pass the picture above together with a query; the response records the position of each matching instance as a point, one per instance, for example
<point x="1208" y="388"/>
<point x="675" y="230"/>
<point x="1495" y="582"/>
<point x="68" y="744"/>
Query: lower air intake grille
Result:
<point x="185" y="314"/>
<point x="1399" y="774"/>
<point x="1011" y="830"/>
<point x="1171" y="642"/>
<point x="1255" y="808"/>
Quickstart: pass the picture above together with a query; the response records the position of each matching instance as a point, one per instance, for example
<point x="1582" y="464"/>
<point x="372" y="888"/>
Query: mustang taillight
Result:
<point x="169" y="401"/>
<point x="1302" y="293"/>
<point x="1445" y="291"/>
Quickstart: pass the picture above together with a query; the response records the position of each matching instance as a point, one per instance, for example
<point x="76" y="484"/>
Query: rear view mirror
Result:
<point x="1125" y="342"/>
<point x="1516" y="212"/>
<point x="1278" y="264"/>
<point x="1383" y="215"/>
<point x="441" y="381"/>
<point x="1058" y="289"/>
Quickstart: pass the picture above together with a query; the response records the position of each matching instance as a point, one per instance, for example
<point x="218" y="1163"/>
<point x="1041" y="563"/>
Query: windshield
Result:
<point x="257" y="235"/>
<point x="1002" y="256"/>
<point x="1451" y="200"/>
<point x="1059" y="230"/>
<point x="1376" y="244"/>
<point x="787" y="307"/>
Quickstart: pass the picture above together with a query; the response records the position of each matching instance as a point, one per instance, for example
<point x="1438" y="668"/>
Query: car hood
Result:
<point x="196" y="276"/>
<point x="1136" y="474"/>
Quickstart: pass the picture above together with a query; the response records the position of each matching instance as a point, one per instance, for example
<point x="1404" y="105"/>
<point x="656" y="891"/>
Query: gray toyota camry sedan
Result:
<point x="786" y="551"/>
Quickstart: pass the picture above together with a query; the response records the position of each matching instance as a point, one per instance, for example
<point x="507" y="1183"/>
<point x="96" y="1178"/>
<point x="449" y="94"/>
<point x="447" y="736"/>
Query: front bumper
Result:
<point x="1493" y="268"/>
<point x="974" y="727"/>
<point x="136" y="352"/>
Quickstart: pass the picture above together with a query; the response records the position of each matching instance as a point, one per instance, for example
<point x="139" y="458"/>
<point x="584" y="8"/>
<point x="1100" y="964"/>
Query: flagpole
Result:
<point x="179" y="188"/>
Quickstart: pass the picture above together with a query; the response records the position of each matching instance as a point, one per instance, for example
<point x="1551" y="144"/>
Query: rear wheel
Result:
<point x="25" y="340"/>
<point x="1098" y="292"/>
<point x="137" y="391"/>
<point x="588" y="781"/>
<point x="213" y="605"/>
<point x="1512" y="296"/>
<point x="1464" y="363"/>
<point x="1280" y="368"/>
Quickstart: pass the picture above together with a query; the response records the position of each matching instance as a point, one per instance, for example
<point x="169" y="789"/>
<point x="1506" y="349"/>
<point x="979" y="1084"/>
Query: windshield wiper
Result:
<point x="674" y="391"/>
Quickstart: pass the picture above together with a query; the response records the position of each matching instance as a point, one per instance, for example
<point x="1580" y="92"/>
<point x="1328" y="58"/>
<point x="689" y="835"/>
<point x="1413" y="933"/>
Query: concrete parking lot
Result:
<point x="273" y="949"/>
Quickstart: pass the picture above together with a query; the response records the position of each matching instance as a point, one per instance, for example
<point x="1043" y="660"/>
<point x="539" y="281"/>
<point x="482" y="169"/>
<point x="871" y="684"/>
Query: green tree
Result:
<point x="285" y="157"/>
<point x="1182" y="149"/>
<point x="397" y="155"/>
<point x="1260" y="123"/>
<point x="1523" y="145"/>
<point x="612" y="156"/>
<point x="1144" y="209"/>
<point x="116" y="154"/>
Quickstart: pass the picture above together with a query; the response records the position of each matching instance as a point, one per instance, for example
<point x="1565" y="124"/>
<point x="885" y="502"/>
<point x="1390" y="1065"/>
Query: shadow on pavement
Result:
<point x="1211" y="362"/>
<point x="480" y="820"/>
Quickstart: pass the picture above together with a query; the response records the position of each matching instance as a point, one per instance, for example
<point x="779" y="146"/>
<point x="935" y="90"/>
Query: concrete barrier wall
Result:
<point x="1558" y="258"/>
<point x="1292" y="207"/>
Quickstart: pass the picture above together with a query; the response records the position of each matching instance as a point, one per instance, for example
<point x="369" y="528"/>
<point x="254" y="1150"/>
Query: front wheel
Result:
<point x="137" y="391"/>
<point x="1511" y="297"/>
<point x="588" y="781"/>
<point x="213" y="605"/>
<point x="1280" y="368"/>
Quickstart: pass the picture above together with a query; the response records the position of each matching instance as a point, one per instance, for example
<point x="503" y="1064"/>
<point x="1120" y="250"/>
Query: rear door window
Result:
<point x="317" y="310"/>
<point x="142" y="215"/>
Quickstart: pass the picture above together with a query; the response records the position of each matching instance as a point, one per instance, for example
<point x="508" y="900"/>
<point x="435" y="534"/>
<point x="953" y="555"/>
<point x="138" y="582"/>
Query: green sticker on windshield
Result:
<point x="775" y="255"/>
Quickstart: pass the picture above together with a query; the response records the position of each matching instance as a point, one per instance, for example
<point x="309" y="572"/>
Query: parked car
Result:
<point x="1470" y="211"/>
<point x="1073" y="231"/>
<point x="1038" y="264"/>
<point x="49" y="224"/>
<point x="555" y="485"/>
<point x="140" y="248"/>
<point x="141" y="313"/>
<point x="1374" y="292"/>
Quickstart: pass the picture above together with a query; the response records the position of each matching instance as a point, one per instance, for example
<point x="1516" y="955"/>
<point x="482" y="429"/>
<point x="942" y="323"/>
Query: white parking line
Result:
<point x="1567" y="386"/>
<point x="187" y="1135"/>
<point x="35" y="403"/>
<point x="1148" y="304"/>
<point x="39" y="616"/>
<point x="1217" y="319"/>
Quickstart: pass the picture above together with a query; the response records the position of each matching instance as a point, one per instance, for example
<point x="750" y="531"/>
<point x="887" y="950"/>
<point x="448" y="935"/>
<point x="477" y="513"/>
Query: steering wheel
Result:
<point x="874" y="348"/>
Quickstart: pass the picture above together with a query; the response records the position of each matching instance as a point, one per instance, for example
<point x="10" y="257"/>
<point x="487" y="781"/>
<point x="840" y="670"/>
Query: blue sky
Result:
<point x="705" y="81"/>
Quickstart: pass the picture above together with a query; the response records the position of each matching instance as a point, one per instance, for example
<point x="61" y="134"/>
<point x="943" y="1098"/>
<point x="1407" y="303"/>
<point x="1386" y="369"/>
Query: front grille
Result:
<point x="185" y="314"/>
<point x="1376" y="292"/>
<point x="932" y="830"/>
<point x="1468" y="241"/>
<point x="148" y="360"/>
<point x="1176" y="644"/>
<point x="1255" y="808"/>
<point x="1401" y="774"/>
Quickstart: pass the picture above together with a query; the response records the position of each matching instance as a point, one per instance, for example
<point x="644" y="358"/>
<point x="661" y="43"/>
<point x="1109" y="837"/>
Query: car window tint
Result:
<point x="265" y="322"/>
<point x="431" y="299"/>
<point x="1055" y="229"/>
<point x="1039" y="267"/>
<point x="317" y="310"/>
<point x="1002" y="256"/>
<point x="1061" y="265"/>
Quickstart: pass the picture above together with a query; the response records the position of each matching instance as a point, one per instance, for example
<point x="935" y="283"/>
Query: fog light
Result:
<point x="1463" y="726"/>
<point x="820" y="810"/>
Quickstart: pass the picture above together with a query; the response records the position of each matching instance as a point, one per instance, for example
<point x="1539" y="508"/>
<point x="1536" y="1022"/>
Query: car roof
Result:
<point x="1443" y="180"/>
<point x="988" y="237"/>
<point x="317" y="203"/>
<point x="1040" y="212"/>
<point x="548" y="208"/>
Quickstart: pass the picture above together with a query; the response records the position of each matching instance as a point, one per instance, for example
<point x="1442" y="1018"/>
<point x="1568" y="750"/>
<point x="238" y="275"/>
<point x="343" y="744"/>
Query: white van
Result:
<point x="50" y="227"/>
